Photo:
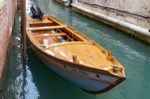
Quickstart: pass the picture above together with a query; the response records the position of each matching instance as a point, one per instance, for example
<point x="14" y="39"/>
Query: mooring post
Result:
<point x="24" y="41"/>
<point x="23" y="30"/>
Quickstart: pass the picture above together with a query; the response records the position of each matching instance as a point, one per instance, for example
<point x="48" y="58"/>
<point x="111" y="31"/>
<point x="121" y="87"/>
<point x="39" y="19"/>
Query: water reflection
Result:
<point x="19" y="82"/>
<point x="31" y="91"/>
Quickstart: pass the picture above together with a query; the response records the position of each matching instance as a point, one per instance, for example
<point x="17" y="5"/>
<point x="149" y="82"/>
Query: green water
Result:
<point x="36" y="81"/>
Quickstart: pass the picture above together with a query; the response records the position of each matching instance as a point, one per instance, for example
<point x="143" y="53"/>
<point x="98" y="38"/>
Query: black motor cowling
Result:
<point x="36" y="12"/>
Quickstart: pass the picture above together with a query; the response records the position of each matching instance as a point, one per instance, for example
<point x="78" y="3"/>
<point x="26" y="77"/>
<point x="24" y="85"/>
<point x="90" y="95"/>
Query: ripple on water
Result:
<point x="36" y="82"/>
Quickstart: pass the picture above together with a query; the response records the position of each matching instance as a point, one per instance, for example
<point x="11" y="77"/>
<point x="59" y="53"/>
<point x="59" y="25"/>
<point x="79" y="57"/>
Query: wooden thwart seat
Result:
<point x="49" y="35"/>
<point x="47" y="28"/>
<point x="39" y="23"/>
<point x="35" y="21"/>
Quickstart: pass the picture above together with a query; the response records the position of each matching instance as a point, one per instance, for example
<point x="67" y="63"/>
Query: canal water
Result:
<point x="36" y="81"/>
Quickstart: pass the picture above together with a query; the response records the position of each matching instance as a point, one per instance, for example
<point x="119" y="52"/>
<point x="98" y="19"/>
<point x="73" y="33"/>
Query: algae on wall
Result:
<point x="7" y="13"/>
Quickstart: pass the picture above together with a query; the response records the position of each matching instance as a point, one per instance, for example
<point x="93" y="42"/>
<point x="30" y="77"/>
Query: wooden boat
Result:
<point x="73" y="56"/>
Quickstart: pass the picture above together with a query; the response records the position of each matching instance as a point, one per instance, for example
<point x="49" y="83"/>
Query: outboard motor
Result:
<point x="36" y="12"/>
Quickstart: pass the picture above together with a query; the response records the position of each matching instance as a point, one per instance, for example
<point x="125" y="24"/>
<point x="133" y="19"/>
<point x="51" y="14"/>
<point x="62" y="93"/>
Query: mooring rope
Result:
<point x="28" y="47"/>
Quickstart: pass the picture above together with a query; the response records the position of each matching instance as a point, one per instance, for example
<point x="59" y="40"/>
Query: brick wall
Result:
<point x="7" y="13"/>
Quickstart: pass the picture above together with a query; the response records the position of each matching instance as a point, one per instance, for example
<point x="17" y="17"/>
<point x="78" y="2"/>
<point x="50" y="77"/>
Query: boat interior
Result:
<point x="68" y="44"/>
<point x="49" y="32"/>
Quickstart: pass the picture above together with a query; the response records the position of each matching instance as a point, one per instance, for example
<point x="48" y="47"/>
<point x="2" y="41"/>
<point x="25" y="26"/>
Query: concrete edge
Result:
<point x="65" y="3"/>
<point x="137" y="31"/>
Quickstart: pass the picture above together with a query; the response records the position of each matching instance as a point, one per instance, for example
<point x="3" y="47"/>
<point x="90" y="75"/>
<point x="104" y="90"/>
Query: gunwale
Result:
<point x="85" y="40"/>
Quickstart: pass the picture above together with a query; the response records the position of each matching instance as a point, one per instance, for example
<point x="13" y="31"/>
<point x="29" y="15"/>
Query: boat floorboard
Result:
<point x="85" y="53"/>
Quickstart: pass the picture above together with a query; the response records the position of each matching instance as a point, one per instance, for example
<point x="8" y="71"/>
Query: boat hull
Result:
<point x="73" y="56"/>
<point x="84" y="79"/>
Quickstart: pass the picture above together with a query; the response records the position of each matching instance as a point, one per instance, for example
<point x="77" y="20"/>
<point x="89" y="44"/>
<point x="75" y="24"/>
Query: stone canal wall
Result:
<point x="132" y="16"/>
<point x="65" y="2"/>
<point x="132" y="11"/>
<point x="7" y="13"/>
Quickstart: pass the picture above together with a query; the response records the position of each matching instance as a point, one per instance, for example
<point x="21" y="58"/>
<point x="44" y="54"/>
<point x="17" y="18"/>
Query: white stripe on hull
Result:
<point x="84" y="83"/>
